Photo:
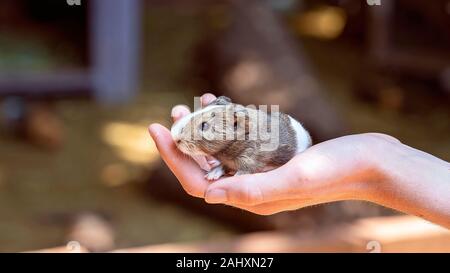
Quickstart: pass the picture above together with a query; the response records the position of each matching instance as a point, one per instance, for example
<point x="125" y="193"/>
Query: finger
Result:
<point x="207" y="98"/>
<point x="179" y="111"/>
<point x="202" y="162"/>
<point x="385" y="137"/>
<point x="185" y="169"/>
<point x="254" y="189"/>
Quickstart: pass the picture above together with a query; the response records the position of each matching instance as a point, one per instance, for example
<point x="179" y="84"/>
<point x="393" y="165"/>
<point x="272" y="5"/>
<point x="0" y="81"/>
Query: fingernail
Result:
<point x="175" y="113"/>
<point x="179" y="111"/>
<point x="151" y="130"/>
<point x="206" y="98"/>
<point x="216" y="196"/>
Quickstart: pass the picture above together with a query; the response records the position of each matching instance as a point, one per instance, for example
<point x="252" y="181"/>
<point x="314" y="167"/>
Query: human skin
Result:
<point x="371" y="167"/>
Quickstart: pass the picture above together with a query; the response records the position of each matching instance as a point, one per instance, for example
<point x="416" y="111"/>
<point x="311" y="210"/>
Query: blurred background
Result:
<point x="81" y="80"/>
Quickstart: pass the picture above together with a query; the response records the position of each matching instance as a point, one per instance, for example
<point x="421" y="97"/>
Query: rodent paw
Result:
<point x="213" y="162"/>
<point x="215" y="173"/>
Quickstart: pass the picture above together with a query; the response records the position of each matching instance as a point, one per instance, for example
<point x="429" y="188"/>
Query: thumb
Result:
<point x="186" y="170"/>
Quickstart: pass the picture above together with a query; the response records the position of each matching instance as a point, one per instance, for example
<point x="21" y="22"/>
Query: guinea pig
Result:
<point x="242" y="140"/>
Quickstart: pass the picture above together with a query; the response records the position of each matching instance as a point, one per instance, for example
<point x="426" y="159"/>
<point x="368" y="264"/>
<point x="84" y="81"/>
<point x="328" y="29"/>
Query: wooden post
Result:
<point x="115" y="40"/>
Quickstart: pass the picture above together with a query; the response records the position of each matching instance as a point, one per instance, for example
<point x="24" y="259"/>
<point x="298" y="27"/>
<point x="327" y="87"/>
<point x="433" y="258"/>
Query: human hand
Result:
<point x="334" y="170"/>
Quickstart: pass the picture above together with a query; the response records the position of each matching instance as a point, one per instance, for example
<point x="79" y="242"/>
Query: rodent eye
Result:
<point x="204" y="126"/>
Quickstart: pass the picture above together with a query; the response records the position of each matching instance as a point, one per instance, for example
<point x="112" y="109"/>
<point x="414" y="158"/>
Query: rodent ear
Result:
<point x="222" y="100"/>
<point x="241" y="120"/>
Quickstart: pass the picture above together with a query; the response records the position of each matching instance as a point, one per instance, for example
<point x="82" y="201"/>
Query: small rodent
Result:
<point x="239" y="138"/>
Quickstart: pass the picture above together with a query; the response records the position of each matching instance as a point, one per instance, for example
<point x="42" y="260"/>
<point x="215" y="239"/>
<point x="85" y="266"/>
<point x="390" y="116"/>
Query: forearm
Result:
<point x="414" y="182"/>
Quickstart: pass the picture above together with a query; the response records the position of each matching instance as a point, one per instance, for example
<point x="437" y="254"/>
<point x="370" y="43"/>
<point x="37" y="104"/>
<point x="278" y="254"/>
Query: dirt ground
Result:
<point x="106" y="148"/>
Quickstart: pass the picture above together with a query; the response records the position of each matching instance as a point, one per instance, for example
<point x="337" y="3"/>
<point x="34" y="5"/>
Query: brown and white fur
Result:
<point x="241" y="154"/>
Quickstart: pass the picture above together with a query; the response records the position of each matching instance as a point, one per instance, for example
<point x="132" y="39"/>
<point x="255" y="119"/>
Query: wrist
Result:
<point x="411" y="181"/>
<point x="380" y="161"/>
